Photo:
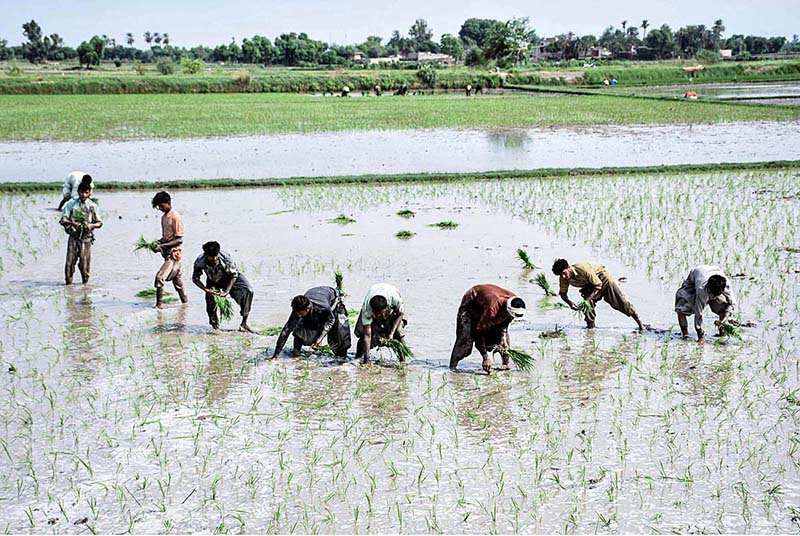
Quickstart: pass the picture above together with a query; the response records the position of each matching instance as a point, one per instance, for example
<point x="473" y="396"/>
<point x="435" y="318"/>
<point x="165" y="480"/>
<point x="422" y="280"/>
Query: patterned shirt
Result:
<point x="71" y="213"/>
<point x="222" y="272"/>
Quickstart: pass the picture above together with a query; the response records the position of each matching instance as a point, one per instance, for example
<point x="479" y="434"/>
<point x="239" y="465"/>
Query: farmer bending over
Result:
<point x="170" y="245"/>
<point x="222" y="279"/>
<point x="382" y="317"/>
<point x="596" y="283"/>
<point x="317" y="314"/>
<point x="705" y="285"/>
<point x="483" y="319"/>
<point x="70" y="188"/>
<point x="80" y="219"/>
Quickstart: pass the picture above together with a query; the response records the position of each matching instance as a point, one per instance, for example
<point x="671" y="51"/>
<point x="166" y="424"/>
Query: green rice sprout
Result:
<point x="224" y="306"/>
<point x="352" y="314"/>
<point x="546" y="305"/>
<point x="527" y="263"/>
<point x="143" y="243"/>
<point x="542" y="282"/>
<point x="339" y="279"/>
<point x="78" y="216"/>
<point x="400" y="349"/>
<point x="326" y="350"/>
<point x="405" y="235"/>
<point x="150" y="293"/>
<point x="523" y="360"/>
<point x="406" y="213"/>
<point x="272" y="331"/>
<point x="729" y="330"/>
<point x="583" y="308"/>
<point x="447" y="224"/>
<point x="94" y="200"/>
<point x="342" y="219"/>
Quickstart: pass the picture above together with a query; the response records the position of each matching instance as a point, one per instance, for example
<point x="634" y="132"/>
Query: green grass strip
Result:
<point x="543" y="173"/>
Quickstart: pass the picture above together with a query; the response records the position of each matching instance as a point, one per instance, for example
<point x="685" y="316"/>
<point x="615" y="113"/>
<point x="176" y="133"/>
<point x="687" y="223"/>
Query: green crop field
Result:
<point x="116" y="117"/>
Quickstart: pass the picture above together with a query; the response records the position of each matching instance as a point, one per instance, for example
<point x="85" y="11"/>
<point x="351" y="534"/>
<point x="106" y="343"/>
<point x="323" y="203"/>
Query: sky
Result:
<point x="207" y="22"/>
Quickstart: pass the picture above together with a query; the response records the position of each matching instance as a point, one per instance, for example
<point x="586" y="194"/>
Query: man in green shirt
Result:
<point x="79" y="220"/>
<point x="596" y="284"/>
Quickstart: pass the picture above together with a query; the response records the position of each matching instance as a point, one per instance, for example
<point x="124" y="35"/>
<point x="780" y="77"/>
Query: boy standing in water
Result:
<point x="80" y="219"/>
<point x="170" y="245"/>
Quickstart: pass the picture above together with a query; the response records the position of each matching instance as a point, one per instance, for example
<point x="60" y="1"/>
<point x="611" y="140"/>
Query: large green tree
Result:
<point x="34" y="49"/>
<point x="90" y="53"/>
<point x="452" y="45"/>
<point x="474" y="31"/>
<point x="509" y="42"/>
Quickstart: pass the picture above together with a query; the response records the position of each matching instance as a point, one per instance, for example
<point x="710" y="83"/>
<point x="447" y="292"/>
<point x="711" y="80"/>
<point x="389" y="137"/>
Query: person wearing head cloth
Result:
<point x="705" y="285"/>
<point x="482" y="319"/>
<point x="596" y="283"/>
<point x="70" y="188"/>
<point x="382" y="317"/>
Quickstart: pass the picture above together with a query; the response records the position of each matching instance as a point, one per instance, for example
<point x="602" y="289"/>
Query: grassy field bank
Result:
<point x="23" y="187"/>
<point x="117" y="117"/>
<point x="20" y="79"/>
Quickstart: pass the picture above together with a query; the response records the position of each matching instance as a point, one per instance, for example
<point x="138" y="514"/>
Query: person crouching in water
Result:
<point x="705" y="285"/>
<point x="382" y="317"/>
<point x="70" y="188"/>
<point x="483" y="319"/>
<point x="222" y="279"/>
<point x="79" y="220"/>
<point x="317" y="314"/>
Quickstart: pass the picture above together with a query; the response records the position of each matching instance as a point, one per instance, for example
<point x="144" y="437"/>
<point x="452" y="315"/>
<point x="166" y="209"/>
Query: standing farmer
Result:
<point x="705" y="285"/>
<point x="171" y="247"/>
<point x="483" y="319"/>
<point x="80" y="219"/>
<point x="70" y="188"/>
<point x="382" y="316"/>
<point x="317" y="314"/>
<point x="222" y="279"/>
<point x="596" y="283"/>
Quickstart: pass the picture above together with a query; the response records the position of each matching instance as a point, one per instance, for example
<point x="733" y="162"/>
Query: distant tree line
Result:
<point x="479" y="41"/>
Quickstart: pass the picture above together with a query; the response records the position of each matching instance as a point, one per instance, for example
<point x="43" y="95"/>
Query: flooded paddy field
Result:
<point x="116" y="417"/>
<point x="402" y="151"/>
<point x="784" y="93"/>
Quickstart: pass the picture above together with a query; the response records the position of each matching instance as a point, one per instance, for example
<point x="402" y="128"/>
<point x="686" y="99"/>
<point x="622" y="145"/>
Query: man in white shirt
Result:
<point x="382" y="317"/>
<point x="705" y="285"/>
<point x="70" y="188"/>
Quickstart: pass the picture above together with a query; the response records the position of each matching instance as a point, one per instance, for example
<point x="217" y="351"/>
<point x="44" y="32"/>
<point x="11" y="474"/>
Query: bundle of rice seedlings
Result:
<point x="143" y="243"/>
<point x="445" y="224"/>
<point x="546" y="305"/>
<point x="352" y="314"/>
<point x="542" y="282"/>
<point x="406" y="213"/>
<point x="523" y="360"/>
<point x="224" y="306"/>
<point x="326" y="350"/>
<point x="729" y="330"/>
<point x="583" y="308"/>
<point x="339" y="279"/>
<point x="527" y="263"/>
<point x="342" y="219"/>
<point x="272" y="331"/>
<point x="405" y="235"/>
<point x="401" y="350"/>
<point x="150" y="293"/>
<point x="78" y="216"/>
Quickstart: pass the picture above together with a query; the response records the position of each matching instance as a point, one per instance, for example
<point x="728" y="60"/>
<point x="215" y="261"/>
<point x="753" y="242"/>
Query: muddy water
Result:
<point x="763" y="91"/>
<point x="356" y="153"/>
<point x="121" y="418"/>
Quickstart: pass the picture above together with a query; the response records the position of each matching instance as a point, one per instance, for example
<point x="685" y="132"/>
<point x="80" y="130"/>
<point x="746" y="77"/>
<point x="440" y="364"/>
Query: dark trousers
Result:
<point x="241" y="293"/>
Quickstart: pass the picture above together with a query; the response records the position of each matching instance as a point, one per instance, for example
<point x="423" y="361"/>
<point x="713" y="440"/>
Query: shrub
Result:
<point x="165" y="66"/>
<point x="709" y="57"/>
<point x="117" y="62"/>
<point x="139" y="68"/>
<point x="14" y="70"/>
<point x="242" y="78"/>
<point x="427" y="74"/>
<point x="192" y="66"/>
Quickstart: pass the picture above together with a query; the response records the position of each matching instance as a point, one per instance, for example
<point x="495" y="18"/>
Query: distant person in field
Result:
<point x="469" y="90"/>
<point x="70" y="188"/>
<point x="378" y="91"/>
<point x="479" y="89"/>
<point x="596" y="283"/>
<point x="222" y="279"/>
<point x="170" y="245"/>
<point x="483" y="319"/>
<point x="317" y="315"/>
<point x="346" y="91"/>
<point x="402" y="90"/>
<point x="705" y="285"/>
<point x="382" y="317"/>
<point x="80" y="219"/>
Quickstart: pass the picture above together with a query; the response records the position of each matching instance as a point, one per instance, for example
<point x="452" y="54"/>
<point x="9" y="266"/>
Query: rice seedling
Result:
<point x="730" y="330"/>
<point x="272" y="331"/>
<point x="224" y="306"/>
<point x="523" y="360"/>
<point x="339" y="281"/>
<point x="143" y="243"/>
<point x="405" y="235"/>
<point x="583" y="308"/>
<point x="525" y="259"/>
<point x="342" y="219"/>
<point x="406" y="213"/>
<point x="547" y="305"/>
<point x="150" y="293"/>
<point x="352" y="314"/>
<point x="447" y="224"/>
<point x="95" y="200"/>
<point x="78" y="216"/>
<point x="542" y="282"/>
<point x="400" y="349"/>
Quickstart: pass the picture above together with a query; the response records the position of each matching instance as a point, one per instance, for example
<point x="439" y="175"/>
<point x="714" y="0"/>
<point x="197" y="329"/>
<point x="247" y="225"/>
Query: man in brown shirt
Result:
<point x="483" y="319"/>
<point x="171" y="247"/>
<point x="596" y="283"/>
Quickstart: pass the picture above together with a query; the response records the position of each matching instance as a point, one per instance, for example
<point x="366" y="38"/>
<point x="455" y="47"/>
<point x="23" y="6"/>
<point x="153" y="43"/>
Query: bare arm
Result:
<point x="395" y="325"/>
<point x="566" y="300"/>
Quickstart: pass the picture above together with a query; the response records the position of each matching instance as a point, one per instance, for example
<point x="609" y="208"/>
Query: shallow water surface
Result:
<point x="117" y="417"/>
<point x="396" y="152"/>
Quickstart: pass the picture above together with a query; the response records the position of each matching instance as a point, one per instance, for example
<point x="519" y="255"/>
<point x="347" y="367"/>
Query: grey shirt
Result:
<point x="693" y="296"/>
<point x="222" y="272"/>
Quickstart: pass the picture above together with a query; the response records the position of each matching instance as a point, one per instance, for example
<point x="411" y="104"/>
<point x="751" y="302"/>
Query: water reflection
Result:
<point x="512" y="140"/>
<point x="81" y="330"/>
